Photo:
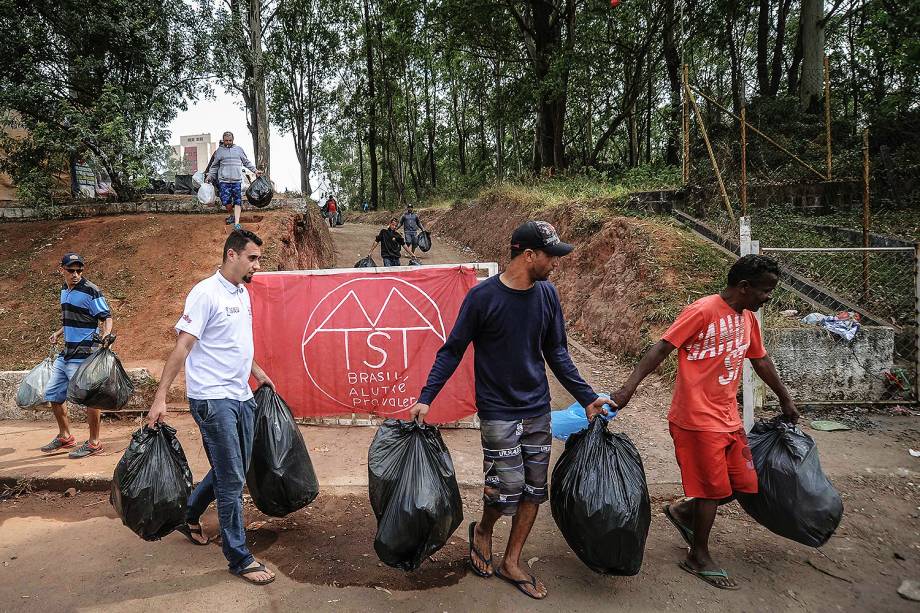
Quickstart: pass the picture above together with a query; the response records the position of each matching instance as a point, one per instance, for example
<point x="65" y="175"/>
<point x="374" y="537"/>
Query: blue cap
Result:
<point x="72" y="258"/>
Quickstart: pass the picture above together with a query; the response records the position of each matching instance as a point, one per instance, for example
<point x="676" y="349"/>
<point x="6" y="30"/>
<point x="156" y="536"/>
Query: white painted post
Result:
<point x="747" y="373"/>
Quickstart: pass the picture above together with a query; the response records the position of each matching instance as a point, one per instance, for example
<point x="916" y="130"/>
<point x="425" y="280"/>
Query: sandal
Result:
<point x="188" y="531"/>
<point x="260" y="568"/>
<point x="685" y="532"/>
<point x="473" y="551"/>
<point x="709" y="576"/>
<point x="532" y="582"/>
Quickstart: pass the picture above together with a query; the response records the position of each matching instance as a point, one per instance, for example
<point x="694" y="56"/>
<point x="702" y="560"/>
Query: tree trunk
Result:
<point x="259" y="112"/>
<point x="776" y="68"/>
<point x="430" y="120"/>
<point x="730" y="18"/>
<point x="811" y="86"/>
<point x="371" y="107"/>
<point x="763" y="40"/>
<point x="672" y="65"/>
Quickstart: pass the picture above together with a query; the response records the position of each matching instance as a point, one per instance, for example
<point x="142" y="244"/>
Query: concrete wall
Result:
<point x="184" y="205"/>
<point x="144" y="388"/>
<point x="817" y="365"/>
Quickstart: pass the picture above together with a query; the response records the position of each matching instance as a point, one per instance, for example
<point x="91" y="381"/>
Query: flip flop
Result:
<point x="478" y="554"/>
<point x="709" y="576"/>
<point x="188" y="531"/>
<point x="520" y="584"/>
<point x="255" y="569"/>
<point x="685" y="532"/>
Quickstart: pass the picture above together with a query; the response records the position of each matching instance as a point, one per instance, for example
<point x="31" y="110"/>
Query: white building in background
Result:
<point x="194" y="151"/>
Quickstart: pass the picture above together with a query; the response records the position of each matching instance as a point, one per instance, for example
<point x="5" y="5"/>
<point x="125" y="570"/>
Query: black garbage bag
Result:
<point x="413" y="491"/>
<point x="599" y="499"/>
<point x="415" y="262"/>
<point x="367" y="262"/>
<point x="339" y="218"/>
<point x="260" y="192"/>
<point x="424" y="241"/>
<point x="280" y="478"/>
<point x="101" y="381"/>
<point x="795" y="498"/>
<point x="152" y="483"/>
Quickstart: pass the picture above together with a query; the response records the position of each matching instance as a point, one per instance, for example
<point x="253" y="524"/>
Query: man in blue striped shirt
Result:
<point x="83" y="307"/>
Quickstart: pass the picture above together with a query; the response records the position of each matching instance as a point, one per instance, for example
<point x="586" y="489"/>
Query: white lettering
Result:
<point x="380" y="350"/>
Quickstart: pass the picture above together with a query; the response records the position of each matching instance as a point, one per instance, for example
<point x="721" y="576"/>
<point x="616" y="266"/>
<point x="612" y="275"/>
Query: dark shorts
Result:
<point x="411" y="239"/>
<point x="231" y="193"/>
<point x="515" y="460"/>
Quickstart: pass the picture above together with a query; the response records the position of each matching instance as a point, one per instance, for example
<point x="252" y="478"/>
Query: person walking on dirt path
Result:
<point x="411" y="224"/>
<point x="516" y="325"/>
<point x="226" y="168"/>
<point x="331" y="208"/>
<point x="713" y="337"/>
<point x="83" y="308"/>
<point x="215" y="344"/>
<point x="390" y="244"/>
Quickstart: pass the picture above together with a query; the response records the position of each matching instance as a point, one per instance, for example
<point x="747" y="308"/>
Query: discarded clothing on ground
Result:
<point x="844" y="325"/>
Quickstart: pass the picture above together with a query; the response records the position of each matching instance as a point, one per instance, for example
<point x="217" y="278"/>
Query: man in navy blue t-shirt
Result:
<point x="516" y="325"/>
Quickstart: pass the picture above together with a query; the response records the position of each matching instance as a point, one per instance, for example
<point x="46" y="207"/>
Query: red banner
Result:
<point x="361" y="342"/>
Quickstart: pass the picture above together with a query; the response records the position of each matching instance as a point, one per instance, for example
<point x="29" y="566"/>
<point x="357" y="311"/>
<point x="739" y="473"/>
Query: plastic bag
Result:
<point x="260" y="192"/>
<point x="101" y="381"/>
<point x="152" y="483"/>
<point x="31" y="392"/>
<point x="795" y="498"/>
<point x="197" y="180"/>
<point x="367" y="262"/>
<point x="599" y="499"/>
<point x="424" y="241"/>
<point x="415" y="262"/>
<point x="206" y="194"/>
<point x="413" y="491"/>
<point x="570" y="420"/>
<point x="280" y="478"/>
<point x="339" y="218"/>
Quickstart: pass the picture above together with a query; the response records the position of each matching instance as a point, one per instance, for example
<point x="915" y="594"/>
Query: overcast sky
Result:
<point x="223" y="113"/>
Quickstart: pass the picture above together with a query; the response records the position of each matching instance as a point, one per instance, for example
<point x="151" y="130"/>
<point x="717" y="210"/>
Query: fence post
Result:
<point x="744" y="185"/>
<point x="917" y="323"/>
<point x="865" y="262"/>
<point x="747" y="372"/>
<point x="685" y="125"/>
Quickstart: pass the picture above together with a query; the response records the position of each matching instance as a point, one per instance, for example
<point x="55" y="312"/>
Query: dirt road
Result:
<point x="73" y="553"/>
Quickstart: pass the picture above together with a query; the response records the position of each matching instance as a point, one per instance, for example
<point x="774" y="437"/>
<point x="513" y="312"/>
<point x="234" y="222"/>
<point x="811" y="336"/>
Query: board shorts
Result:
<point x="231" y="193"/>
<point x="411" y="239"/>
<point x="515" y="460"/>
<point x="714" y="465"/>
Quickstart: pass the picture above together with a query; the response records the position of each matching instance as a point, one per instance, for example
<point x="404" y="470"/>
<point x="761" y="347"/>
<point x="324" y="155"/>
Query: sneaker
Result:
<point x="60" y="443"/>
<point x="84" y="450"/>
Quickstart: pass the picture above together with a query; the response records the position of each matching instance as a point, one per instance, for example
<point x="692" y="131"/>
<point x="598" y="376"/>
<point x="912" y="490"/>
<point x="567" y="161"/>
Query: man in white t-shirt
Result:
<point x="215" y="344"/>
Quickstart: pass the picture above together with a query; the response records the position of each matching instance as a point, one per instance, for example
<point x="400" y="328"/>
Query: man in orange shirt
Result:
<point x="713" y="337"/>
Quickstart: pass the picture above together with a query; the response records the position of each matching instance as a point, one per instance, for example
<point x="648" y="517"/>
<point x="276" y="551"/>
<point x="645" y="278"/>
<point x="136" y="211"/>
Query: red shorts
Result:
<point x="714" y="465"/>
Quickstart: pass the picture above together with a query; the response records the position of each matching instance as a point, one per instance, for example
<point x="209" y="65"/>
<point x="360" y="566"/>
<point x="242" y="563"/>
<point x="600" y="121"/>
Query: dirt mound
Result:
<point x="145" y="265"/>
<point x="332" y="542"/>
<point x="628" y="277"/>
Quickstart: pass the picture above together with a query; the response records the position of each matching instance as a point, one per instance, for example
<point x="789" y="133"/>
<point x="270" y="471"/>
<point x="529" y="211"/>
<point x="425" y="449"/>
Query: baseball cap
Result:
<point x="71" y="258"/>
<point x="539" y="235"/>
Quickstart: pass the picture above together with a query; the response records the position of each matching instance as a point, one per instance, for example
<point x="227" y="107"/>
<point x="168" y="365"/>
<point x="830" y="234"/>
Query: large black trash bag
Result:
<point x="101" y="382"/>
<point x="795" y="498"/>
<point x="367" y="262"/>
<point x="424" y="241"/>
<point x="599" y="499"/>
<point x="260" y="192"/>
<point x="280" y="479"/>
<point x="413" y="491"/>
<point x="152" y="483"/>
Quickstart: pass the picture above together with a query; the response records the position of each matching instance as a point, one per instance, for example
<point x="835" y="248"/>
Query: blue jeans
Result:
<point x="390" y="261"/>
<point x="226" y="431"/>
<point x="64" y="370"/>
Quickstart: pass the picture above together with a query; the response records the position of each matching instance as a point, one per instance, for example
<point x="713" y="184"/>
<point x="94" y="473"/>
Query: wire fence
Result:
<point x="844" y="323"/>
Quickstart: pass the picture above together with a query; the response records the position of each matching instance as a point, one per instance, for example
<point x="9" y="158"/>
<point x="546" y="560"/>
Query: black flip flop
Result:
<point x="520" y="584"/>
<point x="255" y="569"/>
<point x="473" y="550"/>
<point x="188" y="531"/>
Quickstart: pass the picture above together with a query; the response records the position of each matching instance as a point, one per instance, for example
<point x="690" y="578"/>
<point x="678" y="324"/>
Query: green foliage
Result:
<point x="97" y="79"/>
